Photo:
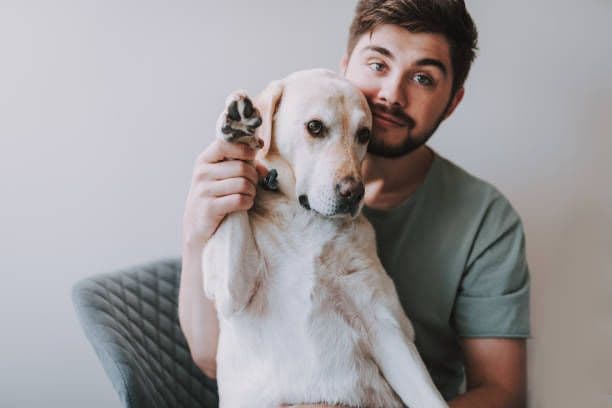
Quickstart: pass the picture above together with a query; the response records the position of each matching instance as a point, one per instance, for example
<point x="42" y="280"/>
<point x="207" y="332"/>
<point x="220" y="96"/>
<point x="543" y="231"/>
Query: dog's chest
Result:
<point x="295" y="252"/>
<point x="308" y="262"/>
<point x="301" y="332"/>
<point x="308" y="259"/>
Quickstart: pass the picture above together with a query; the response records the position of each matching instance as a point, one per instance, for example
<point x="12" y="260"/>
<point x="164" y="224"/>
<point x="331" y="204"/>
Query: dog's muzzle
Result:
<point x="345" y="200"/>
<point x="349" y="191"/>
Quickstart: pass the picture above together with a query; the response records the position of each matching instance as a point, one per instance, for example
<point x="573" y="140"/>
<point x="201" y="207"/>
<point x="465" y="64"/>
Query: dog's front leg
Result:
<point x="232" y="265"/>
<point x="391" y="338"/>
<point x="400" y="363"/>
<point x="231" y="261"/>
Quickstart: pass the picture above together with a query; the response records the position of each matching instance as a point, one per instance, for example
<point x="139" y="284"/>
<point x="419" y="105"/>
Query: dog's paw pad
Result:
<point x="239" y="120"/>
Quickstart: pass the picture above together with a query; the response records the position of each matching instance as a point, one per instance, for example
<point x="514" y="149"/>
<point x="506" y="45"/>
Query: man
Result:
<point x="452" y="244"/>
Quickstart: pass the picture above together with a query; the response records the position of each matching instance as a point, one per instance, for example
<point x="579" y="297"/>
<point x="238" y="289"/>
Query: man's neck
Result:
<point x="390" y="182"/>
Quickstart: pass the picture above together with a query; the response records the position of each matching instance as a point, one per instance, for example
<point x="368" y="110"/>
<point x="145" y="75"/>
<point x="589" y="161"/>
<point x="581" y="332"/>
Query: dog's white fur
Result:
<point x="307" y="313"/>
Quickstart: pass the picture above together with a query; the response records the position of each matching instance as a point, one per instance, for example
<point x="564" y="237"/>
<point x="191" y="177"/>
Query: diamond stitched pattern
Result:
<point x="131" y="319"/>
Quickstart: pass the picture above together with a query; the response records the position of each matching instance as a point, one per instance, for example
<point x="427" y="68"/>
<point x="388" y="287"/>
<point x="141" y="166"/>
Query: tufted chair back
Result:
<point x="131" y="319"/>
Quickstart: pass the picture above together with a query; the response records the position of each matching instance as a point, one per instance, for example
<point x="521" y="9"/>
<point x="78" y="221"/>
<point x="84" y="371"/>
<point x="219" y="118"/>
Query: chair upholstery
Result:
<point x="131" y="319"/>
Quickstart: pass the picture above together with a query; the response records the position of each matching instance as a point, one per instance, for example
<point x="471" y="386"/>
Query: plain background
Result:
<point x="104" y="106"/>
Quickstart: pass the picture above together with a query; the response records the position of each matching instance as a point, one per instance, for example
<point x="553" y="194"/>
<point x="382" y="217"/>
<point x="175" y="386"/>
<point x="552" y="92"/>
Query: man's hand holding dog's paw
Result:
<point x="224" y="176"/>
<point x="223" y="181"/>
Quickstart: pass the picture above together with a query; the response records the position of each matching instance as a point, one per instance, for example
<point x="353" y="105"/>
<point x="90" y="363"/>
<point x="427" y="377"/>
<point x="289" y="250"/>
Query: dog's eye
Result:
<point x="363" y="135"/>
<point x="315" y="127"/>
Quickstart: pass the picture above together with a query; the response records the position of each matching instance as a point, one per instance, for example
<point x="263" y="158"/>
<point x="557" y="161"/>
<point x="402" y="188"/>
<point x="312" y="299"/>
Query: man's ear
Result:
<point x="344" y="63"/>
<point x="267" y="103"/>
<point x="454" y="102"/>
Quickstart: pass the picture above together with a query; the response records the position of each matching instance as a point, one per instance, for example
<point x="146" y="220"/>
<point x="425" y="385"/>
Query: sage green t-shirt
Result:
<point x="456" y="252"/>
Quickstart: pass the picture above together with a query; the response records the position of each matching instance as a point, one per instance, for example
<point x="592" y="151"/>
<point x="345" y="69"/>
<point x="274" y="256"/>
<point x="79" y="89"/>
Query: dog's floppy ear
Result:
<point x="267" y="102"/>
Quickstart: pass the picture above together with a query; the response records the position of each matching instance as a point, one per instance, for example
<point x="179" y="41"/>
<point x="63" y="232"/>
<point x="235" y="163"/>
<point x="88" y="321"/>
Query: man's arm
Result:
<point x="496" y="373"/>
<point x="197" y="314"/>
<point x="222" y="183"/>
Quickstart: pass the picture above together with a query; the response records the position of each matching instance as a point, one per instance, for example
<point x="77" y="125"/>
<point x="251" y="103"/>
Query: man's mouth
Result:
<point x="390" y="116"/>
<point x="389" y="120"/>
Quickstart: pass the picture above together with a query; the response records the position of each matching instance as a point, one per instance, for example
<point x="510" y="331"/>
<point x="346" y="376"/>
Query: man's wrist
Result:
<point x="193" y="242"/>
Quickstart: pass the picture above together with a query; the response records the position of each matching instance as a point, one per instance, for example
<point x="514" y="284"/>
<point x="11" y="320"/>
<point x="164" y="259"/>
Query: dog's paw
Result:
<point x="239" y="120"/>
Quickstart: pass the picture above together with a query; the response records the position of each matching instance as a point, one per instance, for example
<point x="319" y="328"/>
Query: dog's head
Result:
<point x="316" y="126"/>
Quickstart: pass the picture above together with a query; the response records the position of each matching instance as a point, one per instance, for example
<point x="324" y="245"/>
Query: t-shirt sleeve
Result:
<point x="493" y="295"/>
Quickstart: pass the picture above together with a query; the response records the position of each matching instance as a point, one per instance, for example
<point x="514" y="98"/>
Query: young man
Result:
<point x="453" y="244"/>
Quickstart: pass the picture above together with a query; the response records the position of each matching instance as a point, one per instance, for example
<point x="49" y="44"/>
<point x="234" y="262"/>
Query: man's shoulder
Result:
<point x="454" y="185"/>
<point x="467" y="201"/>
<point x="453" y="179"/>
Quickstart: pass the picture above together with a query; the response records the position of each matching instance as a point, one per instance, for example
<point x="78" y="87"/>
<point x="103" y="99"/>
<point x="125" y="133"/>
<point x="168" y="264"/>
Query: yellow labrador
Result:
<point x="307" y="313"/>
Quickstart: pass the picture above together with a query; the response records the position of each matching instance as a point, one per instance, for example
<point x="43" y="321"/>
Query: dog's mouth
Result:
<point x="342" y="209"/>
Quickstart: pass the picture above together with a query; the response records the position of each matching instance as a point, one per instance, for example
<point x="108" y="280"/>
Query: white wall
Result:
<point x="537" y="121"/>
<point x="104" y="105"/>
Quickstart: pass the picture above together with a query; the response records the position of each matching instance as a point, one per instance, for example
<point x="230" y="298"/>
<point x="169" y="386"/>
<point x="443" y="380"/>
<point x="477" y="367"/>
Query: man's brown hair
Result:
<point x="447" y="17"/>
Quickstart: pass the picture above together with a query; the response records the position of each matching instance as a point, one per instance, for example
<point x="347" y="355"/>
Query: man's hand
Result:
<point x="222" y="182"/>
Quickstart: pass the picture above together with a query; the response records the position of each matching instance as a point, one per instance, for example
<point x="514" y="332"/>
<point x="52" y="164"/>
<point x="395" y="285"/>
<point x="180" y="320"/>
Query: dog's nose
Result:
<point x="350" y="189"/>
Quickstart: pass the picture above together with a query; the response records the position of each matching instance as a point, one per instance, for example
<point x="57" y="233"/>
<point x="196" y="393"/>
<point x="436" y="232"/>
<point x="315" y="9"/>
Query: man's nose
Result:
<point x="350" y="189"/>
<point x="393" y="91"/>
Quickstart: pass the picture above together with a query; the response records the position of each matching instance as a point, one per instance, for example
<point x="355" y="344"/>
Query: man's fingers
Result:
<point x="231" y="169"/>
<point x="262" y="170"/>
<point x="230" y="203"/>
<point x="236" y="185"/>
<point x="220" y="150"/>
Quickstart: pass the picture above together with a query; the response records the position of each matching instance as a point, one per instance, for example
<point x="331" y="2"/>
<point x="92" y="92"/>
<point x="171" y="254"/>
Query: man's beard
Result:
<point x="409" y="143"/>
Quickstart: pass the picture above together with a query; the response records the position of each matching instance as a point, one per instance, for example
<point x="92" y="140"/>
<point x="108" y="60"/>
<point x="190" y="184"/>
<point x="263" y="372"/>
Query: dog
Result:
<point x="307" y="313"/>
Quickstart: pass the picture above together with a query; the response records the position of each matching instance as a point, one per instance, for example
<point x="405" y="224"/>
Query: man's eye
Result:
<point x="423" y="79"/>
<point x="376" y="66"/>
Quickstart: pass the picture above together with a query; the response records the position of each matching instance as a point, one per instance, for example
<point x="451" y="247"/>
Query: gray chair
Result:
<point x="131" y="319"/>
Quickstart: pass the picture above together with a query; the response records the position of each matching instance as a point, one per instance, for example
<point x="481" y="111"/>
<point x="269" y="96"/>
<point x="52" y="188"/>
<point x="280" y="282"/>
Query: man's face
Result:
<point x="407" y="79"/>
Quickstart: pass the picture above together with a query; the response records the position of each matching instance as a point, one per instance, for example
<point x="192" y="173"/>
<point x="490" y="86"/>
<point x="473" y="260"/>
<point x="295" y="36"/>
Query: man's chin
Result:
<point x="389" y="151"/>
<point x="403" y="144"/>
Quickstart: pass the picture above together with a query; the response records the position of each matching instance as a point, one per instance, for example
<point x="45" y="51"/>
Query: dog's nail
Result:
<point x="248" y="108"/>
<point x="256" y="123"/>
<point x="232" y="111"/>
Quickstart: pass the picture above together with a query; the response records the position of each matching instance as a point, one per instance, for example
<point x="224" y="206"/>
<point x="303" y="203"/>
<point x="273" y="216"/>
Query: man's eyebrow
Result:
<point x="433" y="62"/>
<point x="378" y="49"/>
